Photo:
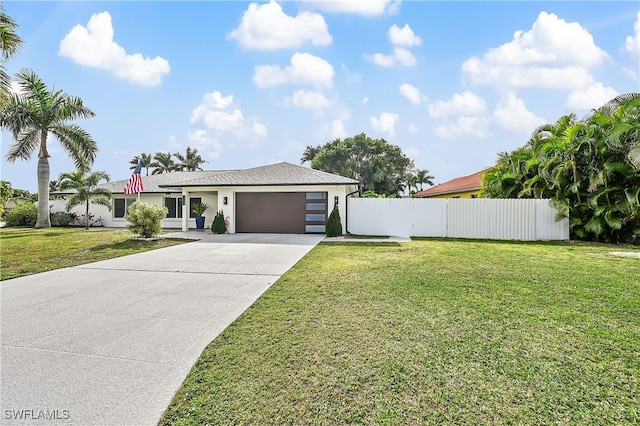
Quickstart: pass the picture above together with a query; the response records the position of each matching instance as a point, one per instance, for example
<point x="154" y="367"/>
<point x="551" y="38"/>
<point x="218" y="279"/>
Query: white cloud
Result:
<point x="310" y="100"/>
<point x="202" y="140"/>
<point x="337" y="130"/>
<point x="411" y="93"/>
<point x="364" y="100"/>
<point x="386" y="123"/>
<point x="591" y="97"/>
<point x="399" y="37"/>
<point x="361" y="7"/>
<point x="512" y="114"/>
<point x="464" y="126"/>
<point x="219" y="113"/>
<point x="403" y="36"/>
<point x="400" y="56"/>
<point x="632" y="43"/>
<point x="352" y="77"/>
<point x="632" y="74"/>
<point x="552" y="54"/>
<point x="413" y="128"/>
<point x="465" y="103"/>
<point x="267" y="27"/>
<point x="304" y="68"/>
<point x="93" y="46"/>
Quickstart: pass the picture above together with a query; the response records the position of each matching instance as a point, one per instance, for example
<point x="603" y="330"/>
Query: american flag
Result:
<point x="135" y="183"/>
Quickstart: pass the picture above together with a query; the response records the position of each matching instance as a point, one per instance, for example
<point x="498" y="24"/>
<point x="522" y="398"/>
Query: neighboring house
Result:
<point x="278" y="198"/>
<point x="461" y="187"/>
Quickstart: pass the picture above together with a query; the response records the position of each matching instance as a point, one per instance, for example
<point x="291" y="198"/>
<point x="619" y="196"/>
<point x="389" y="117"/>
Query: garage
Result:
<point x="281" y="212"/>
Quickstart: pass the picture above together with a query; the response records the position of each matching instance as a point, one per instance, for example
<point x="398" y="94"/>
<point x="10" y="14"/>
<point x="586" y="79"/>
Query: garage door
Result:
<point x="281" y="212"/>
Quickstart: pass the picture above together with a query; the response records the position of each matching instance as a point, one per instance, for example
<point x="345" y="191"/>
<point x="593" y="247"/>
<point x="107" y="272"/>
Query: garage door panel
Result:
<point x="275" y="212"/>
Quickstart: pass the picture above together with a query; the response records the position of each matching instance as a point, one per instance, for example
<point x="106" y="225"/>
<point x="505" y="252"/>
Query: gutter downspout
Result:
<point x="346" y="208"/>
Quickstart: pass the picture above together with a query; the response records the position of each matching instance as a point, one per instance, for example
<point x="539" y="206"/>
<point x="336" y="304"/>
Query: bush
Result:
<point x="219" y="226"/>
<point x="334" y="224"/>
<point x="145" y="219"/>
<point x="24" y="214"/>
<point x="61" y="219"/>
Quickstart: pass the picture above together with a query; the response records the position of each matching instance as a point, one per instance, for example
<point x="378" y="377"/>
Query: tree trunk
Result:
<point x="43" y="193"/>
<point x="86" y="215"/>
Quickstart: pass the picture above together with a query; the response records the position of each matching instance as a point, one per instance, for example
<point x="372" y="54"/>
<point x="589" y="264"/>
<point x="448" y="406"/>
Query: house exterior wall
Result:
<point x="102" y="215"/>
<point x="460" y="194"/>
<point x="229" y="211"/>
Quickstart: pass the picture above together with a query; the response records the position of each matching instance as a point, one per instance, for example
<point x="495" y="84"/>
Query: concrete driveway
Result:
<point x="109" y="343"/>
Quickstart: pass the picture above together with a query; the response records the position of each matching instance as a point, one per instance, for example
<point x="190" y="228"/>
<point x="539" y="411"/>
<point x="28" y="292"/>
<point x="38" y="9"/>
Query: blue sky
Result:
<point x="249" y="84"/>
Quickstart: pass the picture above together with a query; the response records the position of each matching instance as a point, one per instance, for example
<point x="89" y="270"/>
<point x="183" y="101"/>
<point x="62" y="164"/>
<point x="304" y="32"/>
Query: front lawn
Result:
<point x="26" y="251"/>
<point x="430" y="332"/>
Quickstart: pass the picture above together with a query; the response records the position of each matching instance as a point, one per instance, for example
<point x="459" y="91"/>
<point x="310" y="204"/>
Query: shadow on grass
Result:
<point x="136" y="244"/>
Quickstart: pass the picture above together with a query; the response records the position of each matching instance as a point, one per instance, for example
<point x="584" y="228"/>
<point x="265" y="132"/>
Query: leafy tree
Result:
<point x="422" y="177"/>
<point x="34" y="114"/>
<point x="146" y="159"/>
<point x="10" y="46"/>
<point x="145" y="219"/>
<point x="163" y="163"/>
<point x="586" y="167"/>
<point x="191" y="161"/>
<point x="379" y="166"/>
<point x="6" y="192"/>
<point x="86" y="190"/>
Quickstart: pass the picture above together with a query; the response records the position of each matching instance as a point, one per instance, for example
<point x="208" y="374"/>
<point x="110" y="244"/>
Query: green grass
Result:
<point x="430" y="332"/>
<point x="26" y="251"/>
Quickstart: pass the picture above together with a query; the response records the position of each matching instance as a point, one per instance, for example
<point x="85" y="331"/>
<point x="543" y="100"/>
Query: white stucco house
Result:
<point x="277" y="198"/>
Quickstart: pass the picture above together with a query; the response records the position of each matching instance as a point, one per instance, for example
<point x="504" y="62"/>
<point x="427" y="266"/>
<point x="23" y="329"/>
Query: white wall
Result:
<point x="457" y="218"/>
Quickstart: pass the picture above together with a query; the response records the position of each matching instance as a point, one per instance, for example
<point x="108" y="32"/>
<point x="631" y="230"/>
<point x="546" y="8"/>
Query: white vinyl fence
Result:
<point x="456" y="218"/>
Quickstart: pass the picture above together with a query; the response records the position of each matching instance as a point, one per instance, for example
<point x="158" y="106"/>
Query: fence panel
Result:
<point x="457" y="218"/>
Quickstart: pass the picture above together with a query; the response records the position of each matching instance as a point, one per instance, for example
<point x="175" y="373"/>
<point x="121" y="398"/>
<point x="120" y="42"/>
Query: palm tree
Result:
<point x="30" y="116"/>
<point x="10" y="47"/>
<point x="146" y="159"/>
<point x="86" y="190"/>
<point x="423" y="176"/>
<point x="163" y="163"/>
<point x="191" y="161"/>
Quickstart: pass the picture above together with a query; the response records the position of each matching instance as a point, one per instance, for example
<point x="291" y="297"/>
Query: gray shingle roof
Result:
<point x="272" y="175"/>
<point x="279" y="174"/>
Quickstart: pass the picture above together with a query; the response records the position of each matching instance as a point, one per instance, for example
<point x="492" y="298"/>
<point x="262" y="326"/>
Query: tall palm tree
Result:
<point x="146" y="159"/>
<point x="86" y="190"/>
<point x="191" y="161"/>
<point x="10" y="45"/>
<point x="163" y="163"/>
<point x="34" y="114"/>
<point x="423" y="176"/>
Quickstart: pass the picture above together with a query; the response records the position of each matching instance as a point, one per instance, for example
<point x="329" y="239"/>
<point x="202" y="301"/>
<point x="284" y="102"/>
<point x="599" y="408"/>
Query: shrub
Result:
<point x="334" y="224"/>
<point x="219" y="226"/>
<point x="145" y="219"/>
<point x="61" y="219"/>
<point x="24" y="214"/>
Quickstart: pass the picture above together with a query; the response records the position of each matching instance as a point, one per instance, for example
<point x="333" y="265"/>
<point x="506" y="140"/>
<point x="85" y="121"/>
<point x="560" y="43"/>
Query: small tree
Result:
<point x="334" y="224"/>
<point x="145" y="219"/>
<point x="24" y="214"/>
<point x="218" y="226"/>
<point x="86" y="191"/>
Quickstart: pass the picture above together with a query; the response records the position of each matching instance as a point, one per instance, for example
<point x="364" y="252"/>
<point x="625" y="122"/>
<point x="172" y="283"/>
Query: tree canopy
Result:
<point x="86" y="190"/>
<point x="589" y="168"/>
<point x="380" y="166"/>
<point x="34" y="114"/>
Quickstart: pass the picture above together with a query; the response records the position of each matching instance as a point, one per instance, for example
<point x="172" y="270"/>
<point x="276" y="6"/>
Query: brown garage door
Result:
<point x="281" y="212"/>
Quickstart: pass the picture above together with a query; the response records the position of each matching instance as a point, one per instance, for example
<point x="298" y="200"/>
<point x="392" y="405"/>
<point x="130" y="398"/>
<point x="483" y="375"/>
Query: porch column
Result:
<point x="185" y="210"/>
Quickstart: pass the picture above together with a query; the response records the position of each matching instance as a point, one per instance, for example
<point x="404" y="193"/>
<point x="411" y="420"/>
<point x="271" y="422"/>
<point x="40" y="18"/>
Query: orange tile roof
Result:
<point x="460" y="184"/>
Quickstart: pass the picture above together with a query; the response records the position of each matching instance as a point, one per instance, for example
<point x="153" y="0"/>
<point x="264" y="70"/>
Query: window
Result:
<point x="316" y="195"/>
<point x="316" y="206"/>
<point x="174" y="205"/>
<point x="192" y="201"/>
<point x="316" y="218"/>
<point x="474" y="195"/>
<point x="121" y="205"/>
<point x="457" y="196"/>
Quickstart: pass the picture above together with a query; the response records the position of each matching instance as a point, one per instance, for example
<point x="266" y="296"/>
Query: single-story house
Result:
<point x="277" y="198"/>
<point x="461" y="187"/>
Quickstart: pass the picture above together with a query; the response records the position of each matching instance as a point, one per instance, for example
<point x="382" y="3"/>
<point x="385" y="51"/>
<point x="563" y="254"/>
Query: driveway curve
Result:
<point x="109" y="343"/>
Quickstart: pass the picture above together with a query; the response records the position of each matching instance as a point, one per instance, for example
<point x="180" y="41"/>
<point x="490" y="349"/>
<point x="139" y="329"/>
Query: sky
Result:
<point x="254" y="83"/>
